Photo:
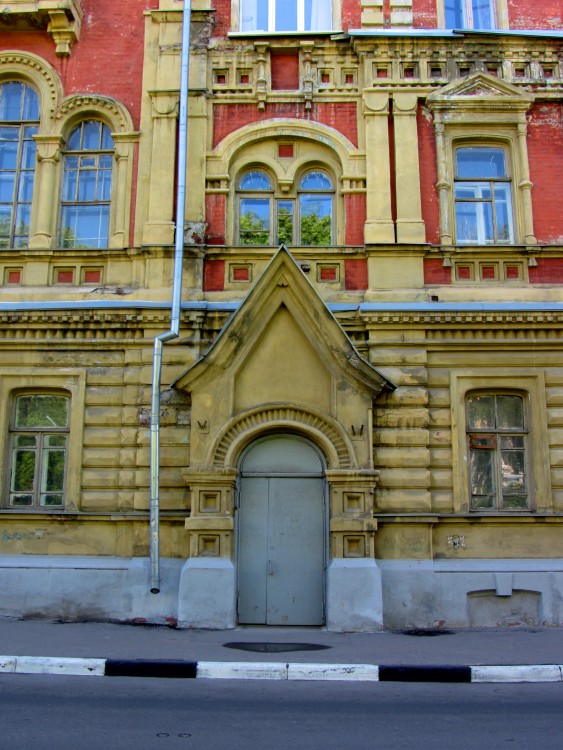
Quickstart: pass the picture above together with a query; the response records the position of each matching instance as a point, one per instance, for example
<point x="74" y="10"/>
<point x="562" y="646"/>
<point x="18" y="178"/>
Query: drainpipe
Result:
<point x="175" y="309"/>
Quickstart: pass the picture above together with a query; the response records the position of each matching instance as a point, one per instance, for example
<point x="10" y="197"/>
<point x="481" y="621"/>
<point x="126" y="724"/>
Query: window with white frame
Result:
<point x="302" y="217"/>
<point x="483" y="196"/>
<point x="86" y="188"/>
<point x="497" y="437"/>
<point x="285" y="15"/>
<point x="470" y="14"/>
<point x="19" y="122"/>
<point x="39" y="429"/>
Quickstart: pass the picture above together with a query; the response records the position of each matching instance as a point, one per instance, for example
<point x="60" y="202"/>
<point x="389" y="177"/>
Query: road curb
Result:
<point x="230" y="670"/>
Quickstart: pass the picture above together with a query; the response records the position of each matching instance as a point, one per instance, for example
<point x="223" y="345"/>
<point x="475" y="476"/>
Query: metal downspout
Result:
<point x="175" y="309"/>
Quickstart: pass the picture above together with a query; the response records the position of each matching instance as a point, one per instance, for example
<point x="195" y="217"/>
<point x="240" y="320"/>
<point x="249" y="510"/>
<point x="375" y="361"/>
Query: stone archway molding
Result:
<point x="246" y="427"/>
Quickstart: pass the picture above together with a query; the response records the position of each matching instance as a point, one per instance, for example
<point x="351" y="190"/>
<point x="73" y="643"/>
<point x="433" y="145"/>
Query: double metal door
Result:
<point x="281" y="534"/>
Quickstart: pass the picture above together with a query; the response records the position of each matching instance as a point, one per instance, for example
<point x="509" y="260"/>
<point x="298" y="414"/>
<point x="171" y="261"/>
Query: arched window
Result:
<point x="19" y="122"/>
<point x="302" y="216"/>
<point x="315" y="209"/>
<point x="39" y="440"/>
<point x="86" y="190"/>
<point x="483" y="196"/>
<point x="255" y="209"/>
<point x="497" y="437"/>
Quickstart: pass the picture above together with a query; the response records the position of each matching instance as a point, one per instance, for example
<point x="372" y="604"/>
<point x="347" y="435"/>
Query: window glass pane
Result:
<point x="318" y="15"/>
<point x="85" y="226"/>
<point x="50" y="500"/>
<point x="5" y="221"/>
<point x="512" y="467"/>
<point x="30" y="105"/>
<point x="255" y="221"/>
<point x="316" y="219"/>
<point x="454" y="14"/>
<point x="23" y="470"/>
<point x="466" y="222"/>
<point x="23" y="217"/>
<point x="8" y="154"/>
<point x="53" y="470"/>
<point x="107" y="140"/>
<point x="503" y="212"/>
<point x="316" y="181"/>
<point x="285" y="222"/>
<point x="481" y="163"/>
<point x="28" y="155"/>
<point x="70" y="184"/>
<point x="510" y="413"/>
<point x="42" y="411"/>
<point x="255" y="181"/>
<point x="104" y="184"/>
<point x="286" y="15"/>
<point x="483" y="17"/>
<point x="481" y="412"/>
<point x="7" y="182"/>
<point x="11" y="97"/>
<point x="74" y="139"/>
<point x="25" y="191"/>
<point x="91" y="135"/>
<point x="482" y="478"/>
<point x="87" y="185"/>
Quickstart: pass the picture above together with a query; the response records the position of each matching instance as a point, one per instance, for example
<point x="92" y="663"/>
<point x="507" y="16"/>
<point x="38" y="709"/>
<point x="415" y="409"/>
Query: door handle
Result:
<point x="270" y="568"/>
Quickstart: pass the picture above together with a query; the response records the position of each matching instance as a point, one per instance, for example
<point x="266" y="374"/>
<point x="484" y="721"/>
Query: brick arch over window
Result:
<point x="245" y="428"/>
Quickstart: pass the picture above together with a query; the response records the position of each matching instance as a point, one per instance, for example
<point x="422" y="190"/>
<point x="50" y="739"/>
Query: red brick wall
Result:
<point x="435" y="273"/>
<point x="222" y="17"/>
<point x="355" y="209"/>
<point x="428" y="176"/>
<point x="424" y="12"/>
<point x="545" y="152"/>
<point x="356" y="274"/>
<point x="215" y="213"/>
<point x="285" y="71"/>
<point x="351" y="15"/>
<point x="213" y="275"/>
<point x="548" y="271"/>
<point x="228" y="118"/>
<point x="533" y="14"/>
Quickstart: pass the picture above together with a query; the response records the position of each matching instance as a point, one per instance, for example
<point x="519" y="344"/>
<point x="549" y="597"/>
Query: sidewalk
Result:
<point x="277" y="653"/>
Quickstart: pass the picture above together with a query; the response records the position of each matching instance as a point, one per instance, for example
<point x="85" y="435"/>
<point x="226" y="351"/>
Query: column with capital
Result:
<point x="43" y="223"/>
<point x="410" y="226"/>
<point x="379" y="227"/>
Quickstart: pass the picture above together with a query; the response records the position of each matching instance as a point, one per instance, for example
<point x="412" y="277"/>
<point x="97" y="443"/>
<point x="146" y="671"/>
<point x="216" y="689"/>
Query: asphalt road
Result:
<point x="88" y="713"/>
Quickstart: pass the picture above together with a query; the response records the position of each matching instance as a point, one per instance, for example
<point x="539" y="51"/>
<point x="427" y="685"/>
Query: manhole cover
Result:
<point x="274" y="648"/>
<point x="425" y="632"/>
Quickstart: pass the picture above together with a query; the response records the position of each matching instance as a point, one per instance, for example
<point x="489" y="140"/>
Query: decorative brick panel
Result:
<point x="356" y="274"/>
<point x="214" y="276"/>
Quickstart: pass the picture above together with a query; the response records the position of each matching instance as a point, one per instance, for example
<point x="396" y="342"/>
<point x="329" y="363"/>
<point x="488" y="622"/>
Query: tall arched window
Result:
<point x="19" y="122"/>
<point x="268" y="215"/>
<point x="86" y="190"/>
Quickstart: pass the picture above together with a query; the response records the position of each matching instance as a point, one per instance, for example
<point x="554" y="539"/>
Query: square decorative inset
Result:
<point x="354" y="546"/>
<point x="328" y="272"/>
<point x="12" y="276"/>
<point x="348" y="78"/>
<point x="244" y="77"/>
<point x="410" y="71"/>
<point x="91" y="276"/>
<point x="208" y="545"/>
<point x="464" y="272"/>
<point x="513" y="271"/>
<point x="64" y="276"/>
<point x="209" y="502"/>
<point x="325" y="77"/>
<point x="353" y="502"/>
<point x="285" y="150"/>
<point x="381" y="72"/>
<point x="238" y="272"/>
<point x="488" y="271"/>
<point x="221" y="77"/>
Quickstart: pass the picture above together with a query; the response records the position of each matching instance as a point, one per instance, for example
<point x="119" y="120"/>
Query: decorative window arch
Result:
<point x="86" y="186"/>
<point x="296" y="212"/>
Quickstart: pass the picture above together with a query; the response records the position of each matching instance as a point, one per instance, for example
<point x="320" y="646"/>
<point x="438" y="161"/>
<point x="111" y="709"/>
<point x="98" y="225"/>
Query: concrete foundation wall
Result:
<point x="415" y="594"/>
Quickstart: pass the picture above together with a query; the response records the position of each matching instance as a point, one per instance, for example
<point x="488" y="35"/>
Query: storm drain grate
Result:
<point x="425" y="632"/>
<point x="274" y="648"/>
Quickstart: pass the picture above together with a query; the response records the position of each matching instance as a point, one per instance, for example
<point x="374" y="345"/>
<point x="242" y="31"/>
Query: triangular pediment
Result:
<point x="476" y="89"/>
<point x="281" y="328"/>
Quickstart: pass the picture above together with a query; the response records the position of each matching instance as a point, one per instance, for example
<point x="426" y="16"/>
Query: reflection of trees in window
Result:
<point x="86" y="191"/>
<point x="39" y="438"/>
<point x="266" y="220"/>
<point x="483" y="200"/>
<point x="497" y="452"/>
<point x="19" y="122"/>
<point x="469" y="14"/>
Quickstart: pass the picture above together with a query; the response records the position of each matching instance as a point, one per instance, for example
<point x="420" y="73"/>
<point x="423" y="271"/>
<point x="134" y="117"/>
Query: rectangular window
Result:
<point x="38" y="448"/>
<point x="286" y="15"/>
<point x="497" y="438"/>
<point x="470" y="14"/>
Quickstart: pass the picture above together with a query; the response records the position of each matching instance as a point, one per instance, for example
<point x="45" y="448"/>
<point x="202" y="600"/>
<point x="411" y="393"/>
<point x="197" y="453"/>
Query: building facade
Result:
<point x="358" y="422"/>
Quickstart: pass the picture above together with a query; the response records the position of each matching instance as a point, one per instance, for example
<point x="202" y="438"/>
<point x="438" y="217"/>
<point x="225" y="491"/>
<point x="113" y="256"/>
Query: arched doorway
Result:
<point x="281" y="522"/>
